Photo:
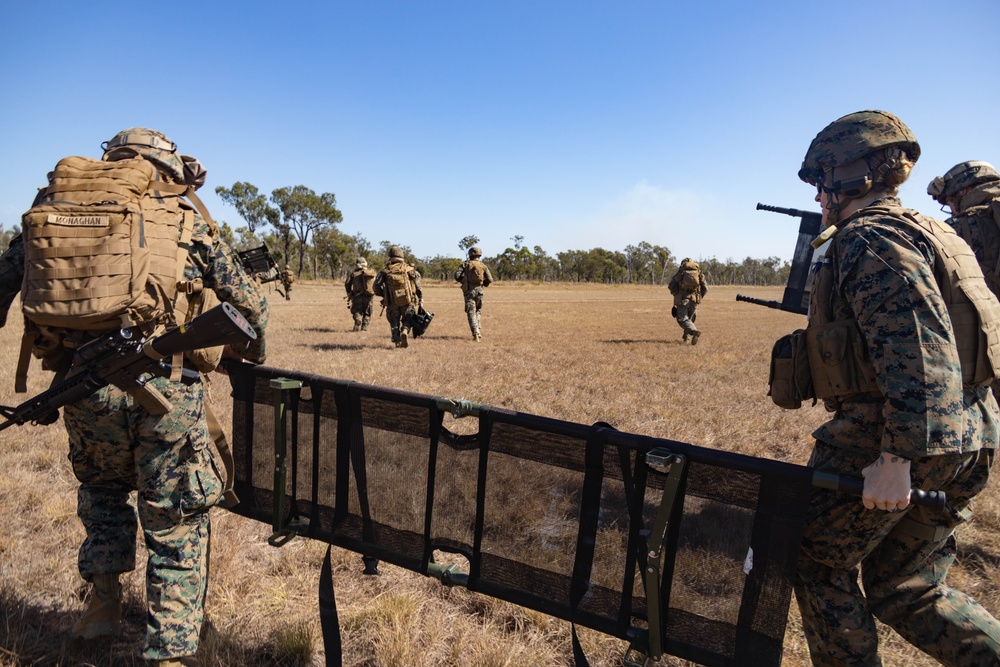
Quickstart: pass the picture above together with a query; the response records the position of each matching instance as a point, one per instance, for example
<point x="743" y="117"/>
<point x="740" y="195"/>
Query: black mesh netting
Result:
<point x="550" y="515"/>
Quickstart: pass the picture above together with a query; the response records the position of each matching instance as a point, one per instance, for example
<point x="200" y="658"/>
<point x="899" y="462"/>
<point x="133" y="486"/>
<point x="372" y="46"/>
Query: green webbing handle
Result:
<point x="856" y="486"/>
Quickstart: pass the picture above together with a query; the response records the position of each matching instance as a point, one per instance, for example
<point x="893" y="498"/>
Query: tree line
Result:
<point x="300" y="228"/>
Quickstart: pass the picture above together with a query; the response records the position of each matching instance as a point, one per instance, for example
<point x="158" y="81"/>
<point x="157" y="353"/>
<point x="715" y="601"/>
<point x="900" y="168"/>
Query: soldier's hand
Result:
<point x="887" y="483"/>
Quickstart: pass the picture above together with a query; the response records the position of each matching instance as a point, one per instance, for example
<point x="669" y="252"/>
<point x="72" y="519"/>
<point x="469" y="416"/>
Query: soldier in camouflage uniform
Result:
<point x="359" y="293"/>
<point x="287" y="278"/>
<point x="117" y="448"/>
<point x="400" y="302"/>
<point x="687" y="296"/>
<point x="474" y="277"/>
<point x="972" y="191"/>
<point x="920" y="421"/>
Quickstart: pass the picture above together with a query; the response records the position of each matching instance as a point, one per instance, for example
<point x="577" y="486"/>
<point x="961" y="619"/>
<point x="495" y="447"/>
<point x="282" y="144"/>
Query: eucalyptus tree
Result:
<point x="304" y="212"/>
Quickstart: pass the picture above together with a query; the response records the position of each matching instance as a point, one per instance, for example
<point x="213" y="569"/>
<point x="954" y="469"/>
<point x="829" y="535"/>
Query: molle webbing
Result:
<point x="974" y="310"/>
<point x="838" y="351"/>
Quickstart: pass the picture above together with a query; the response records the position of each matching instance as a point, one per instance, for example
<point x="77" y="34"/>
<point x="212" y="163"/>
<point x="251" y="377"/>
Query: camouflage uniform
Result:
<point x="359" y="295"/>
<point x="972" y="189"/>
<point x="287" y="278"/>
<point x="474" y="293"/>
<point x="921" y="413"/>
<point x="117" y="447"/>
<point x="399" y="317"/>
<point x="686" y="301"/>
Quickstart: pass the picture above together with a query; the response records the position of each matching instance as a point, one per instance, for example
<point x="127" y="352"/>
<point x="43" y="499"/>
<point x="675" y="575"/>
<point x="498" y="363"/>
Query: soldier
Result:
<point x="688" y="287"/>
<point x="475" y="277"/>
<point x="360" y="290"/>
<point x="972" y="191"/>
<point x="399" y="286"/>
<point x="287" y="278"/>
<point x="911" y="404"/>
<point x="116" y="447"/>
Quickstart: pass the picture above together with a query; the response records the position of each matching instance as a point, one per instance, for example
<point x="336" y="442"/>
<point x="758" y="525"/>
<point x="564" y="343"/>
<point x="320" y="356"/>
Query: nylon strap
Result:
<point x="328" y="619"/>
<point x="24" y="360"/>
<point x="218" y="435"/>
<point x="79" y="294"/>
<point x="114" y="248"/>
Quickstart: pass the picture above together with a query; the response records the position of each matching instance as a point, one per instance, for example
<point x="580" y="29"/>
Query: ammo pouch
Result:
<point x="790" y="380"/>
<point x="838" y="360"/>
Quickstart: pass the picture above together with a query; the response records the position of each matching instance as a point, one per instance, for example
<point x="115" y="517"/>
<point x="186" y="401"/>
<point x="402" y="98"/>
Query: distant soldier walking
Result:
<point x="399" y="286"/>
<point x="688" y="287"/>
<point x="287" y="278"/>
<point x="474" y="277"/>
<point x="360" y="286"/>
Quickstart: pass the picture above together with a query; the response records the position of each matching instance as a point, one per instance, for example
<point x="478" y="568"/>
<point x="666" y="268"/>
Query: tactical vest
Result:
<point x="838" y="354"/>
<point x="985" y="240"/>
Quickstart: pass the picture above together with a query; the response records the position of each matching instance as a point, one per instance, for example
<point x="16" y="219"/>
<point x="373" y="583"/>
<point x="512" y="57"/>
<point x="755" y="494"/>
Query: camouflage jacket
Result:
<point x="924" y="409"/>
<point x="210" y="259"/>
<point x="979" y="225"/>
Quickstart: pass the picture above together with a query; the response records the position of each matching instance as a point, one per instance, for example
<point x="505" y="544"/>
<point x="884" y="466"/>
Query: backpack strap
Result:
<point x="188" y="191"/>
<point x="24" y="360"/>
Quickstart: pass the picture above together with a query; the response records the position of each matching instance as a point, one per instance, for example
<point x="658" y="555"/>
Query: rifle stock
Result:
<point x="796" y="296"/>
<point x="127" y="362"/>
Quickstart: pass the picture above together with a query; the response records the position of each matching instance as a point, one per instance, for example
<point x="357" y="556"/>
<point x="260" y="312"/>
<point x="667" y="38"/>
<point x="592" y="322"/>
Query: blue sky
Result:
<point x="573" y="124"/>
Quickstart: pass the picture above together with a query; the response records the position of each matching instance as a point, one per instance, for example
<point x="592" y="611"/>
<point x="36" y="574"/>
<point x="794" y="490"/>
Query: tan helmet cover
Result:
<point x="475" y="251"/>
<point x="396" y="251"/>
<point x="150" y="144"/>
<point x="961" y="176"/>
<point x="361" y="263"/>
<point x="855" y="136"/>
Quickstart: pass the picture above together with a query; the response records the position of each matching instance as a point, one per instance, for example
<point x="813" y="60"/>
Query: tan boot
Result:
<point x="694" y="337"/>
<point x="357" y="327"/>
<point x="104" y="615"/>
<point x="478" y="338"/>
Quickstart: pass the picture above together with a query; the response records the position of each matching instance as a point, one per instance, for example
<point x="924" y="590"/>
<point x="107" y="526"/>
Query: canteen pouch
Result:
<point x="790" y="380"/>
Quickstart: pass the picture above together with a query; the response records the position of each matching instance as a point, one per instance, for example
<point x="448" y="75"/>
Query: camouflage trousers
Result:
<point x="117" y="447"/>
<point x="361" y="310"/>
<point x="903" y="558"/>
<point x="288" y="290"/>
<point x="474" y="304"/>
<point x="686" y="313"/>
<point x="398" y="320"/>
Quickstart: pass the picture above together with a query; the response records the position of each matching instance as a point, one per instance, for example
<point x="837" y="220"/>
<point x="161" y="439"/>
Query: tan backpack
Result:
<point x="399" y="285"/>
<point x="102" y="251"/>
<point x="690" y="280"/>
<point x="475" y="273"/>
<point x="362" y="281"/>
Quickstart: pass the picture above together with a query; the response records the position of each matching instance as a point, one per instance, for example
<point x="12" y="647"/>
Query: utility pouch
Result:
<point x="790" y="380"/>
<point x="838" y="360"/>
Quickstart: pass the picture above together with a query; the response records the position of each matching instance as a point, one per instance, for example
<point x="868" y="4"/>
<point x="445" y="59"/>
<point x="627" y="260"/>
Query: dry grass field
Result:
<point x="582" y="353"/>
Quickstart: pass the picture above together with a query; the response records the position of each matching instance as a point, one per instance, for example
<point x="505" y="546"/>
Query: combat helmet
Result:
<point x="475" y="252"/>
<point x="361" y="263"/>
<point x="152" y="145"/>
<point x="396" y="251"/>
<point x="959" y="177"/>
<point x="850" y="138"/>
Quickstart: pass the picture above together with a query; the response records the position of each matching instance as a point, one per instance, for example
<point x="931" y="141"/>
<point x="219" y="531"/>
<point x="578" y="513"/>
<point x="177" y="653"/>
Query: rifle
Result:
<point x="129" y="362"/>
<point x="796" y="296"/>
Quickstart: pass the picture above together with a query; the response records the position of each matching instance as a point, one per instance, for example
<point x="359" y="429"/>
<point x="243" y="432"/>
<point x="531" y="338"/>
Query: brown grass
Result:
<point x="581" y="353"/>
